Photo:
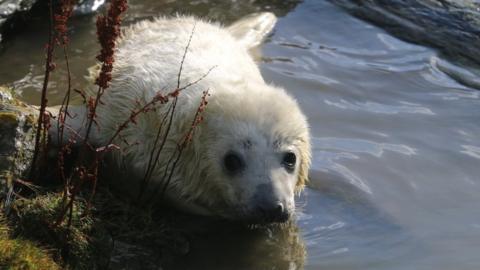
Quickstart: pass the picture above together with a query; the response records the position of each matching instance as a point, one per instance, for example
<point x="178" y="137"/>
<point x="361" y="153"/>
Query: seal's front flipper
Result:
<point x="251" y="30"/>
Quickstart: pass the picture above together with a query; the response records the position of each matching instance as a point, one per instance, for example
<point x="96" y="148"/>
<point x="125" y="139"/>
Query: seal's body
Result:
<point x="252" y="151"/>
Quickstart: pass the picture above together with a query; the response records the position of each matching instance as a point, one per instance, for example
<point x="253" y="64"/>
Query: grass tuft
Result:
<point x="76" y="245"/>
<point x="18" y="253"/>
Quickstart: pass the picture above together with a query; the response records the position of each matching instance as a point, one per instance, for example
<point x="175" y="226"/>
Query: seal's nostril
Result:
<point x="273" y="213"/>
<point x="279" y="209"/>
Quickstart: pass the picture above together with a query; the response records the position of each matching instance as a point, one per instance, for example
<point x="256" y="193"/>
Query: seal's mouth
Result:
<point x="257" y="216"/>
<point x="267" y="216"/>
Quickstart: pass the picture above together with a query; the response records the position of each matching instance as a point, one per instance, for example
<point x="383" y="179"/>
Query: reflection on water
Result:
<point x="395" y="182"/>
<point x="225" y="247"/>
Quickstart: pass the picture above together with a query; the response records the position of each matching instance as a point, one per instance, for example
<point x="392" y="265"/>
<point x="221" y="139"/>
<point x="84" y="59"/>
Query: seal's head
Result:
<point x="251" y="156"/>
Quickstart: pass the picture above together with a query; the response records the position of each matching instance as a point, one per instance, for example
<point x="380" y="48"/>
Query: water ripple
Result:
<point x="362" y="146"/>
<point x="457" y="95"/>
<point x="329" y="151"/>
<point x="466" y="77"/>
<point x="374" y="107"/>
<point x="471" y="150"/>
<point x="325" y="164"/>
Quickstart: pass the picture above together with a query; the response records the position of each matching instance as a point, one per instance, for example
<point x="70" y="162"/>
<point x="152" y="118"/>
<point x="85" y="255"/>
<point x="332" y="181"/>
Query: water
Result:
<point x="395" y="182"/>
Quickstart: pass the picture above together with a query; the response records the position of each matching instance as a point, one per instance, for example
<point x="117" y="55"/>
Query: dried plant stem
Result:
<point x="61" y="118"/>
<point x="152" y="164"/>
<point x="108" y="30"/>
<point x="91" y="115"/>
<point x="63" y="112"/>
<point x="49" y="66"/>
<point x="169" y="171"/>
<point x="185" y="54"/>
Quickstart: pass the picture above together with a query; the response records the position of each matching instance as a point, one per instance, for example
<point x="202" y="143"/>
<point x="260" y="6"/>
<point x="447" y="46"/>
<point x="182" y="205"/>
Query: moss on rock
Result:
<point x="8" y="118"/>
<point x="23" y="254"/>
<point x="17" y="253"/>
<point x="17" y="134"/>
<point x="77" y="244"/>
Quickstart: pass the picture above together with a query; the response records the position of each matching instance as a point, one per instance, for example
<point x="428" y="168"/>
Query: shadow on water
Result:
<point x="226" y="246"/>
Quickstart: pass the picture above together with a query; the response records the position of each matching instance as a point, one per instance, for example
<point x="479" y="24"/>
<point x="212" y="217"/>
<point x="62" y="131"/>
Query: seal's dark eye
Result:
<point x="233" y="163"/>
<point x="289" y="160"/>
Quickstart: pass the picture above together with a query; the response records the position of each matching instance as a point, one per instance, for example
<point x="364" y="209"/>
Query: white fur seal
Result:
<point x="249" y="156"/>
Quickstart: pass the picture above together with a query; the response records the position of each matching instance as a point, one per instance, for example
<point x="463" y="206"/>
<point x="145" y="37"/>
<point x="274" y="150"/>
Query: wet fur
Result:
<point x="240" y="103"/>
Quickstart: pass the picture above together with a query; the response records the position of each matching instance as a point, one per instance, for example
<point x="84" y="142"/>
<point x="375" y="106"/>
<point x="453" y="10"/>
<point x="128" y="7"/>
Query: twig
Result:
<point x="108" y="30"/>
<point x="49" y="66"/>
<point x="168" y="174"/>
<point x="185" y="54"/>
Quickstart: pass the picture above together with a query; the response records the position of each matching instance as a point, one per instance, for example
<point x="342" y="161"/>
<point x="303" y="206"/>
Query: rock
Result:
<point x="17" y="135"/>
<point x="453" y="26"/>
<point x="11" y="10"/>
<point x="14" y="11"/>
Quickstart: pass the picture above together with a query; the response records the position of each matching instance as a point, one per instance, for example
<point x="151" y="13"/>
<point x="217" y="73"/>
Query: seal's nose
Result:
<point x="275" y="212"/>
